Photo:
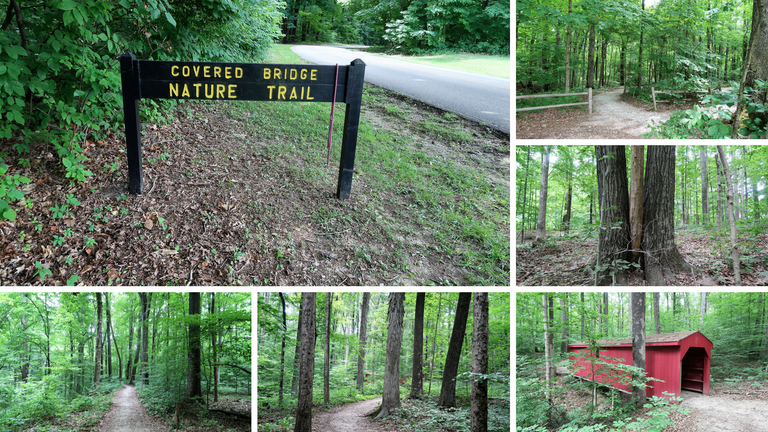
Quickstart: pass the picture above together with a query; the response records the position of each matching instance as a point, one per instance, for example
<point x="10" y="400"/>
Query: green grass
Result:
<point x="410" y="190"/>
<point x="483" y="64"/>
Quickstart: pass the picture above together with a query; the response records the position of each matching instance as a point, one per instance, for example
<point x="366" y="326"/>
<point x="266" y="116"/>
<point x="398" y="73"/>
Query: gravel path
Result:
<point x="722" y="414"/>
<point x="613" y="118"/>
<point x="127" y="414"/>
<point x="347" y="418"/>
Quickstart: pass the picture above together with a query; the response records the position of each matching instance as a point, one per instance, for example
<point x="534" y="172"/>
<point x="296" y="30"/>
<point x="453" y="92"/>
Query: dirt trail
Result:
<point x="723" y="413"/>
<point x="127" y="414"/>
<point x="347" y="418"/>
<point x="612" y="118"/>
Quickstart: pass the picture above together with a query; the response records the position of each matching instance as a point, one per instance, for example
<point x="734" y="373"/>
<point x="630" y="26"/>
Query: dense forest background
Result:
<point x="736" y="323"/>
<point x="63" y="355"/>
<point x="697" y="208"/>
<point x="278" y="357"/>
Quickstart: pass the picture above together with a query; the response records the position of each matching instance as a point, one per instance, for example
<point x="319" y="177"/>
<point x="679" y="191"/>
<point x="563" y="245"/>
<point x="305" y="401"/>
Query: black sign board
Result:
<point x="150" y="79"/>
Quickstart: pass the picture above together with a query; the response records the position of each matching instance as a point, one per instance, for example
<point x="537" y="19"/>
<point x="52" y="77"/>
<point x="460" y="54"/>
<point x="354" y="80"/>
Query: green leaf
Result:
<point x="9" y="214"/>
<point x="15" y="51"/>
<point x="3" y="68"/>
<point x="712" y="130"/>
<point x="66" y="5"/>
<point x="72" y="280"/>
<point x="170" y="19"/>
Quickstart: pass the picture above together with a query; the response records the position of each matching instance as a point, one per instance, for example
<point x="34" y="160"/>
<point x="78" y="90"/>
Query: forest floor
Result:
<point x="565" y="261"/>
<point x="226" y="203"/>
<point x="614" y="116"/>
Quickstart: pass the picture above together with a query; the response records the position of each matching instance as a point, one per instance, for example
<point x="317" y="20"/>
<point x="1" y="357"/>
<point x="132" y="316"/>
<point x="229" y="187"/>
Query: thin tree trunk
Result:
<point x="417" y="388"/>
<point x="327" y="349"/>
<point x="704" y="186"/>
<point x="363" y="337"/>
<point x="194" y="369"/>
<point x="97" y="360"/>
<point x="656" y="316"/>
<point x="731" y="218"/>
<point x="638" y="342"/>
<point x="307" y="363"/>
<point x="448" y="391"/>
<point x="542" y="221"/>
<point x="479" y="393"/>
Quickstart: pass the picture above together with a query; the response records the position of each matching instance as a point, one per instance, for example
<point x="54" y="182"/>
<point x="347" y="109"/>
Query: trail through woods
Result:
<point x="127" y="414"/>
<point x="612" y="117"/>
<point x="347" y="418"/>
<point x="723" y="412"/>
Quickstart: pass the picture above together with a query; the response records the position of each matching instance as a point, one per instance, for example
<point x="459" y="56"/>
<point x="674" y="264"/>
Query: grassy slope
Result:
<point x="496" y="66"/>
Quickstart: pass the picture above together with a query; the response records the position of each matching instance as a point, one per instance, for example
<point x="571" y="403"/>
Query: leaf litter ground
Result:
<point x="567" y="261"/>
<point x="223" y="204"/>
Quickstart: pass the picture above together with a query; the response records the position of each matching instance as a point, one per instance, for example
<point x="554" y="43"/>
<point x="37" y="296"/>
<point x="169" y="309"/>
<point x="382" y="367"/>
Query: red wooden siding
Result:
<point x="680" y="360"/>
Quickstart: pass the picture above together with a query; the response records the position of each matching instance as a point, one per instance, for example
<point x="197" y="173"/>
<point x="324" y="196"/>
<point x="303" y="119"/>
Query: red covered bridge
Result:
<point x="681" y="360"/>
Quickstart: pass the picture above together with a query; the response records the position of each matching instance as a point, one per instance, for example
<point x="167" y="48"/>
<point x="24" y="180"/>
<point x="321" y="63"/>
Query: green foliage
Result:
<point x="658" y="416"/>
<point x="9" y="191"/>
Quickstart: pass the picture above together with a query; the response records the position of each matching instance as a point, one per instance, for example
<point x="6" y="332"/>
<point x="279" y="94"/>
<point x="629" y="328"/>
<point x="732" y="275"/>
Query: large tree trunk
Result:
<point x="662" y="259"/>
<point x="638" y="342"/>
<point x="417" y="387"/>
<point x="97" y="360"/>
<point x="307" y="363"/>
<point x="541" y="224"/>
<point x="614" y="213"/>
<point x="636" y="201"/>
<point x="755" y="64"/>
<point x="297" y="353"/>
<point x="731" y="218"/>
<point x="704" y="186"/>
<point x="194" y="371"/>
<point x="390" y="400"/>
<point x="448" y="391"/>
<point x="327" y="351"/>
<point x="479" y="393"/>
<point x="363" y="337"/>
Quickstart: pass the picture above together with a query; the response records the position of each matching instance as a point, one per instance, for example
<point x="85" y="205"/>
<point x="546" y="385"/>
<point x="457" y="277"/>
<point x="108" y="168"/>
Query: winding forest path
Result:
<point x="725" y="413"/>
<point x="612" y="118"/>
<point x="127" y="414"/>
<point x="347" y="418"/>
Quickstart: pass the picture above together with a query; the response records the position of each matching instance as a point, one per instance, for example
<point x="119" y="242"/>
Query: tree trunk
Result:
<point x="194" y="371"/>
<point x="662" y="259"/>
<point x="306" y="343"/>
<point x="704" y="186"/>
<point x="97" y="360"/>
<point x="525" y="192"/>
<point x="720" y="182"/>
<point x="145" y="302"/>
<point x="638" y="342"/>
<point x="479" y="393"/>
<point x="448" y="391"/>
<point x="363" y="337"/>
<point x="296" y="358"/>
<point x="128" y="366"/>
<point x="24" y="349"/>
<point x="568" y="51"/>
<point x="636" y="201"/>
<point x="755" y="65"/>
<point x="614" y="213"/>
<point x="548" y="348"/>
<point x="117" y="348"/>
<point x="417" y="388"/>
<point x="564" y="324"/>
<point x="327" y="351"/>
<point x="282" y="353"/>
<point x="591" y="57"/>
<point x="731" y="218"/>
<point x="434" y="341"/>
<point x="542" y="222"/>
<point x="656" y="316"/>
<point x="390" y="400"/>
<point x="702" y="310"/>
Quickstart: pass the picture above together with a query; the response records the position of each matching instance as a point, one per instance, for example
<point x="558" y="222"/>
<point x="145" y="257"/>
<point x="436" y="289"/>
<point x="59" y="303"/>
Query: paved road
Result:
<point x="477" y="97"/>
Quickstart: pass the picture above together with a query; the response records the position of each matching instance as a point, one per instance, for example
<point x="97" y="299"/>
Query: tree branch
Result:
<point x="8" y="15"/>
<point x="234" y="366"/>
<point x="20" y="23"/>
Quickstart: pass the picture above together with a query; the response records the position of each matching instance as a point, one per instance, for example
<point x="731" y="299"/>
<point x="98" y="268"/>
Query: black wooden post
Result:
<point x="129" y="73"/>
<point x="354" y="86"/>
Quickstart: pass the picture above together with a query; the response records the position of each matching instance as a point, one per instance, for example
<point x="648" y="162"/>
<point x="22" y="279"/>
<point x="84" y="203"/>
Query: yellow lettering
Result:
<point x="303" y="74"/>
<point x="267" y="73"/>
<point x="270" y="90"/>
<point x="281" y="92"/>
<point x="174" y="89"/>
<point x="302" y="92"/>
<point x="177" y="70"/>
<point x="209" y="96"/>
<point x="313" y="75"/>
<point x="285" y="73"/>
<point x="277" y="73"/>
<point x="293" y="93"/>
<point x="308" y="97"/>
<point x="197" y="70"/>
<point x="185" y="71"/>
<point x="228" y="72"/>
<point x="206" y="71"/>
<point x="220" y="91"/>
<point x="238" y="72"/>
<point x="293" y="74"/>
<point x="217" y="72"/>
<point x="197" y="89"/>
<point x="231" y="93"/>
<point x="185" y="92"/>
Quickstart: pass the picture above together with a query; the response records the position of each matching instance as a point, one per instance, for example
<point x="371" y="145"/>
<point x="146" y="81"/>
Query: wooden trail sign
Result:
<point x="149" y="79"/>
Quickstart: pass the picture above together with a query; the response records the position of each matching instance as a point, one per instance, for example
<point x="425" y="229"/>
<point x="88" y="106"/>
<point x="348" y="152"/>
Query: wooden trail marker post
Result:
<point x="150" y="79"/>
